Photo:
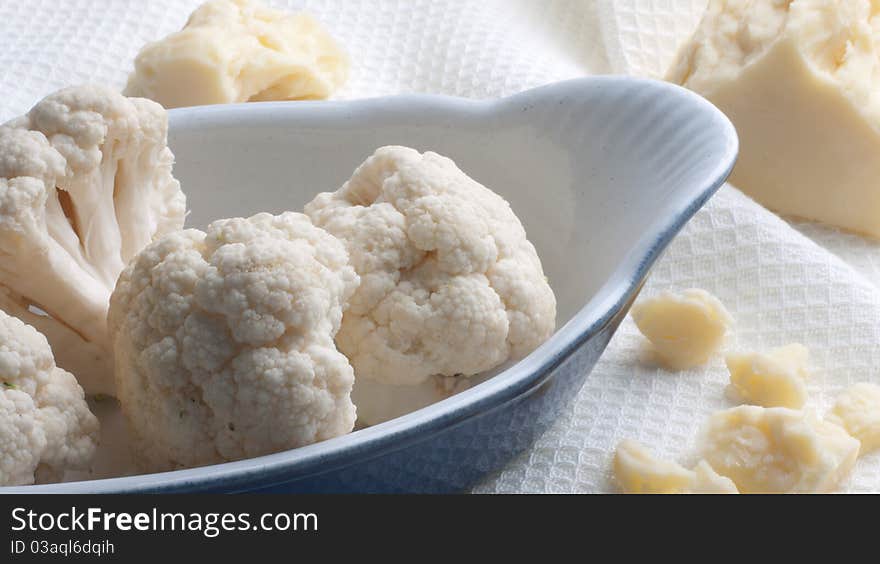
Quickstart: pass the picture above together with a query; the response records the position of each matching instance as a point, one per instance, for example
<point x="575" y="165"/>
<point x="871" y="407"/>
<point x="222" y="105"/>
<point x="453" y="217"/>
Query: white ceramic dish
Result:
<point x="602" y="171"/>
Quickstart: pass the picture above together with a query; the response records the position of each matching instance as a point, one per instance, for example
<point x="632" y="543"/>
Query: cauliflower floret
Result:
<point x="450" y="285"/>
<point x="85" y="183"/>
<point x="240" y="51"/>
<point x="224" y="341"/>
<point x="639" y="472"/>
<point x="45" y="424"/>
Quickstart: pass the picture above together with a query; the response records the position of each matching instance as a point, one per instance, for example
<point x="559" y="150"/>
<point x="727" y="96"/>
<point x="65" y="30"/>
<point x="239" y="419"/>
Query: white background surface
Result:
<point x="782" y="286"/>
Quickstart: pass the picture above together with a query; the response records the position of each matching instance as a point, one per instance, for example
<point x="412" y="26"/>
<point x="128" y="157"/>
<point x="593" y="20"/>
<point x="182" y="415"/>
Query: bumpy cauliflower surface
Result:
<point x="224" y="341"/>
<point x="85" y="183"/>
<point x="240" y="51"/>
<point x="450" y="285"/>
<point x="45" y="425"/>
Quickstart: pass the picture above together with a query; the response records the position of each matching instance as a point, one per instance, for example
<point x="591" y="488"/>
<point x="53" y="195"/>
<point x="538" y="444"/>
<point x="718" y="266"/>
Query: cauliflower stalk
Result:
<point x="46" y="427"/>
<point x="85" y="183"/>
<point x="450" y="285"/>
<point x="224" y="345"/>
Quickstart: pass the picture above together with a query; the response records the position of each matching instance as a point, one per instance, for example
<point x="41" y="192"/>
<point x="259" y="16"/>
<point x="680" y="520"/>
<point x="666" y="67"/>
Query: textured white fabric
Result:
<point x="780" y="285"/>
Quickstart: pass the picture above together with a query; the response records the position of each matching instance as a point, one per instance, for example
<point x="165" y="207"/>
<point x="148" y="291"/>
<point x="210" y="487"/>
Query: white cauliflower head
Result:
<point x="224" y="341"/>
<point x="45" y="424"/>
<point x="85" y="183"/>
<point x="450" y="285"/>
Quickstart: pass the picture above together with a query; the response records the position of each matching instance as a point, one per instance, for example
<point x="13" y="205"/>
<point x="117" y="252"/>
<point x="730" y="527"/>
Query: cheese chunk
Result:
<point x="707" y="481"/>
<point x="637" y="471"/>
<point x="800" y="80"/>
<point x="685" y="329"/>
<point x="771" y="379"/>
<point x="858" y="411"/>
<point x="239" y="51"/>
<point x="778" y="450"/>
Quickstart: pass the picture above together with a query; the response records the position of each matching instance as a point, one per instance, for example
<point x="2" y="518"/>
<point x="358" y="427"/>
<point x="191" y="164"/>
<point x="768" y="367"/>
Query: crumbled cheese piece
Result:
<point x="778" y="450"/>
<point x="685" y="329"/>
<point x="240" y="51"/>
<point x="707" y="481"/>
<point x="637" y="471"/>
<point x="858" y="411"/>
<point x="771" y="379"/>
<point x="800" y="80"/>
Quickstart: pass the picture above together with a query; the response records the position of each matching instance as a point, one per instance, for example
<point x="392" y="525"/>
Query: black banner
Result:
<point x="125" y="528"/>
<point x="120" y="528"/>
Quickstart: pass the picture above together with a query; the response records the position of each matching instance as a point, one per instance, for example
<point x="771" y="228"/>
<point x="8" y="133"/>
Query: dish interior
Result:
<point x="587" y="175"/>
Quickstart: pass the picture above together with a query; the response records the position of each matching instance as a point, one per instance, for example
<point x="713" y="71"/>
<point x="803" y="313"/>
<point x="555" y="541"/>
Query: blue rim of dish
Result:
<point x="515" y="382"/>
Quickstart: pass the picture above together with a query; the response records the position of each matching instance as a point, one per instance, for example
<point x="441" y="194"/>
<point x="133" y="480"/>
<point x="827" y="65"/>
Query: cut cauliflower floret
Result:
<point x="240" y="51"/>
<point x="224" y="341"/>
<point x="450" y="285"/>
<point x="638" y="471"/>
<point x="775" y="378"/>
<point x="46" y="427"/>
<point x="85" y="183"/>
<point x="685" y="329"/>
<point x="778" y="450"/>
<point x="858" y="411"/>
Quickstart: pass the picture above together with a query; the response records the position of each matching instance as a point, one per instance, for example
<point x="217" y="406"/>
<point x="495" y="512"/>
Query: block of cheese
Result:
<point x="858" y="411"/>
<point x="775" y="378"/>
<point x="638" y="471"/>
<point x="778" y="450"/>
<point x="239" y="51"/>
<point x="800" y="80"/>
<point x="685" y="329"/>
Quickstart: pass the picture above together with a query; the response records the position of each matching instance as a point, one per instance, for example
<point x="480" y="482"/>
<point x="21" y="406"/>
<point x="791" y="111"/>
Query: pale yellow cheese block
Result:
<point x="778" y="450"/>
<point x="684" y="329"/>
<point x="801" y="82"/>
<point x="240" y="51"/>
<point x="858" y="411"/>
<point x="638" y="471"/>
<point x="775" y="378"/>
